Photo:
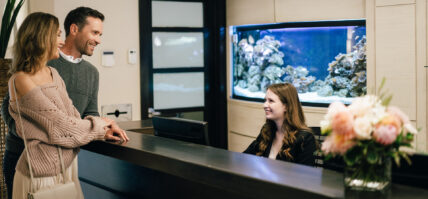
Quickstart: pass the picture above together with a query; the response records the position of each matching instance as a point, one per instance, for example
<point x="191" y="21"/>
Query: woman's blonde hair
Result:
<point x="294" y="119"/>
<point x="35" y="42"/>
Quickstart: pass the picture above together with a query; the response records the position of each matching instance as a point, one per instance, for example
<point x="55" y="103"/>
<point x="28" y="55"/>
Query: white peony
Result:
<point x="378" y="113"/>
<point x="409" y="128"/>
<point x="363" y="128"/>
<point x="325" y="125"/>
<point x="362" y="105"/>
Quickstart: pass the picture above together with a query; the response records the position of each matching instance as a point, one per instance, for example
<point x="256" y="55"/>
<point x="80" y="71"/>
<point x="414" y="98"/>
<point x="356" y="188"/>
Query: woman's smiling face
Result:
<point x="274" y="108"/>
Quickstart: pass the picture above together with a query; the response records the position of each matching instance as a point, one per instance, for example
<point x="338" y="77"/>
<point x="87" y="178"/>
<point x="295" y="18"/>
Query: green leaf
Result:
<point x="405" y="157"/>
<point x="326" y="131"/>
<point x="352" y="156"/>
<point x="387" y="100"/>
<point x="365" y="151"/>
<point x="396" y="158"/>
<point x="399" y="138"/>
<point x="382" y="84"/>
<point x="372" y="157"/>
<point x="409" y="136"/>
<point x="328" y="156"/>
<point x="8" y="20"/>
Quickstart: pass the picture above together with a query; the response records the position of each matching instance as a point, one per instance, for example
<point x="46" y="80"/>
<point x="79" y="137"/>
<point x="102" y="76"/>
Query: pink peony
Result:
<point x="391" y="120"/>
<point x="337" y="144"/>
<point x="342" y="123"/>
<point x="386" y="134"/>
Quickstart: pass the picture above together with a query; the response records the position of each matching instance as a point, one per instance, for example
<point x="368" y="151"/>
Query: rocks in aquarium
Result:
<point x="316" y="85"/>
<point x="290" y="72"/>
<point x="348" y="71"/>
<point x="273" y="72"/>
<point x="251" y="40"/>
<point x="242" y="83"/>
<point x="338" y="82"/>
<point x="258" y="63"/>
<point x="325" y="91"/>
<point x="239" y="70"/>
<point x="276" y="58"/>
<point x="302" y="84"/>
<point x="254" y="83"/>
<point x="301" y="72"/>
<point x="298" y="77"/>
<point x="253" y="70"/>
<point x="341" y="93"/>
<point x="288" y="79"/>
<point x="264" y="84"/>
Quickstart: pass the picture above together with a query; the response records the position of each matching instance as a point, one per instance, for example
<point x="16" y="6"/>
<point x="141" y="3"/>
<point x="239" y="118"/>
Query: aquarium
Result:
<point x="325" y="61"/>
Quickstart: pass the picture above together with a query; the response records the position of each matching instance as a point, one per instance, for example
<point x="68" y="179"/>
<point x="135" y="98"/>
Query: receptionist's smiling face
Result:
<point x="274" y="108"/>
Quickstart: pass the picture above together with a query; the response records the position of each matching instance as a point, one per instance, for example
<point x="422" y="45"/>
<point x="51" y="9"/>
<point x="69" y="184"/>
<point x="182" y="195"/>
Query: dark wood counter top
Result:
<point x="140" y="126"/>
<point x="250" y="176"/>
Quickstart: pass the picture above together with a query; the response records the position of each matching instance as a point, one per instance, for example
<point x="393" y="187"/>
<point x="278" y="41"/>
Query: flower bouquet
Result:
<point x="367" y="134"/>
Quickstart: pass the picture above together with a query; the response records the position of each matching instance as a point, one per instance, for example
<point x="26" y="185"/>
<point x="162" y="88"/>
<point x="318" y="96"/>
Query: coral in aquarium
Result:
<point x="347" y="74"/>
<point x="298" y="77"/>
<point x="258" y="64"/>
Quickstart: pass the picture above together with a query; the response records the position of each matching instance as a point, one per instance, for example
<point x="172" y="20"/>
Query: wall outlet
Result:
<point x="117" y="112"/>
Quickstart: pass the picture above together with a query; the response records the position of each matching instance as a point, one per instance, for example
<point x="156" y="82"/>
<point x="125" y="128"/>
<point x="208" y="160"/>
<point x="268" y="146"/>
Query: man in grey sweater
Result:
<point x="83" y="27"/>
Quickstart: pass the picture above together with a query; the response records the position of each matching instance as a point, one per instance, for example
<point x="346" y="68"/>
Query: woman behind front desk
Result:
<point x="44" y="113"/>
<point x="285" y="135"/>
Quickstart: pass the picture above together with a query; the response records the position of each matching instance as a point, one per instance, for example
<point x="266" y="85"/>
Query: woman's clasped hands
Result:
<point x="114" y="132"/>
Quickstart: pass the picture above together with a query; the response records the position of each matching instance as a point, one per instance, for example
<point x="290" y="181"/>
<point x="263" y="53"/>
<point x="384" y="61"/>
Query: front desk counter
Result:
<point x="156" y="167"/>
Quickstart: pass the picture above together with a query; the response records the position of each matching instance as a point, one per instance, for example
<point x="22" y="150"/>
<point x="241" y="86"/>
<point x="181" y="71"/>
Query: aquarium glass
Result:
<point x="325" y="61"/>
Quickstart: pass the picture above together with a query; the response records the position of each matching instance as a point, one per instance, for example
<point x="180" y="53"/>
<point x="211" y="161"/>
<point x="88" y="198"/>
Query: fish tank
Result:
<point x="325" y="60"/>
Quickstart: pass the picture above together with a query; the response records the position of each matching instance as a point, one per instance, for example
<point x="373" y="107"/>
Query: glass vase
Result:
<point x="363" y="176"/>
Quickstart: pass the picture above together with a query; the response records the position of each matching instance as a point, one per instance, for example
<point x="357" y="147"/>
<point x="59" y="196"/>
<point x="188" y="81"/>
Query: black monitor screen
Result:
<point x="181" y="129"/>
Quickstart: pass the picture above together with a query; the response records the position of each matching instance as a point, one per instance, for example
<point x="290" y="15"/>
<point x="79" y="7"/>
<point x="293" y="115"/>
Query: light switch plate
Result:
<point x="132" y="56"/>
<point x="117" y="112"/>
<point x="108" y="59"/>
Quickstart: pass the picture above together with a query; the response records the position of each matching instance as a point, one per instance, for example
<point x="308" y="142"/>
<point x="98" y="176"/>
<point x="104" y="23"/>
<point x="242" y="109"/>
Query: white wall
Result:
<point x="119" y="84"/>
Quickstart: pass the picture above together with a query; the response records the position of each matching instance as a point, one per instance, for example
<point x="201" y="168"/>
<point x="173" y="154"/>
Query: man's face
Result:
<point x="89" y="36"/>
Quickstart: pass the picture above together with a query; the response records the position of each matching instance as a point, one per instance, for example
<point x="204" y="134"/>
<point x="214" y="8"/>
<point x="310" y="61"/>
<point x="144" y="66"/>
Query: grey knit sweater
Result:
<point x="82" y="84"/>
<point x="50" y="120"/>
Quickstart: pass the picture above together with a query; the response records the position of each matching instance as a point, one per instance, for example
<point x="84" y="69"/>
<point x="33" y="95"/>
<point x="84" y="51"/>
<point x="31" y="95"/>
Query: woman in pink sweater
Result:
<point x="47" y="115"/>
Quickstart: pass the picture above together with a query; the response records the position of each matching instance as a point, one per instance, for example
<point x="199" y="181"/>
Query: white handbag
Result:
<point x="65" y="190"/>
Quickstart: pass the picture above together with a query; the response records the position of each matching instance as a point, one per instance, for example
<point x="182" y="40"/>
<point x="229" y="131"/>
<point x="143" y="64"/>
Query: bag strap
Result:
<point x="26" y="145"/>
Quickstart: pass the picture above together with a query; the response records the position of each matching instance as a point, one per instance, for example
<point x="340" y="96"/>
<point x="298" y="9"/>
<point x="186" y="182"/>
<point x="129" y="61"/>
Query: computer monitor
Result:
<point x="181" y="129"/>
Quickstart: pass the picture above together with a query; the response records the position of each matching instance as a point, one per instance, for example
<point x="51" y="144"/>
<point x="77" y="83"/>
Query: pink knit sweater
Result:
<point x="49" y="120"/>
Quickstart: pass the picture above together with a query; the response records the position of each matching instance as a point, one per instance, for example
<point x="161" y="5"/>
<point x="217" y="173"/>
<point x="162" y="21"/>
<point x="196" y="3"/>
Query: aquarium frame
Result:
<point x="303" y="24"/>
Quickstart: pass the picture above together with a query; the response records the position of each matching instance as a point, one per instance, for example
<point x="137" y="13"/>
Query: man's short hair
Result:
<point x="78" y="16"/>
